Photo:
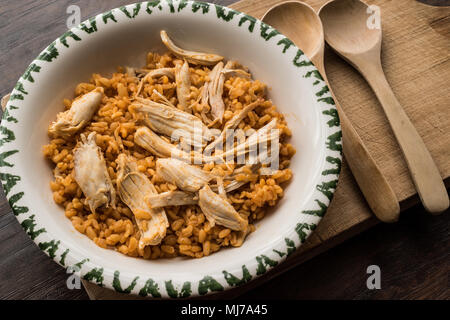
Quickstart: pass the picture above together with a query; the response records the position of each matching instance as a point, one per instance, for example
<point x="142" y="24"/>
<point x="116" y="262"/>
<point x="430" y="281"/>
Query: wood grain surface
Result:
<point x="415" y="56"/>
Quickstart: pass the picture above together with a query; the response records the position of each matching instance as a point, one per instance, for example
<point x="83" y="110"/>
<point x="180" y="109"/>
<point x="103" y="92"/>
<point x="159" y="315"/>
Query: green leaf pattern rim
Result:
<point x="169" y="288"/>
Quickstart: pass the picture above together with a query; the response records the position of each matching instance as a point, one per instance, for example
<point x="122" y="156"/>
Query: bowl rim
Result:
<point x="250" y="267"/>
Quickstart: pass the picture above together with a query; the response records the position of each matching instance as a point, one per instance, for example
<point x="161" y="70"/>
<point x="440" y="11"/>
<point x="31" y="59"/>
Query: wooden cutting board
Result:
<point x="415" y="57"/>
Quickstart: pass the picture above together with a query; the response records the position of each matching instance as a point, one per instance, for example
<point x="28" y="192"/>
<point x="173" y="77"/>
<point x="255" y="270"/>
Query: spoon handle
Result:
<point x="376" y="190"/>
<point x="424" y="171"/>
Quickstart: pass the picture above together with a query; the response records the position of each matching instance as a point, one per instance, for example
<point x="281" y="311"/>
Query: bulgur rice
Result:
<point x="189" y="232"/>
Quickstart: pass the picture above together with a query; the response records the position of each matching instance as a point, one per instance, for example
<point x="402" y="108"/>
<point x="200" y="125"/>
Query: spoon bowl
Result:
<point x="309" y="37"/>
<point x="347" y="26"/>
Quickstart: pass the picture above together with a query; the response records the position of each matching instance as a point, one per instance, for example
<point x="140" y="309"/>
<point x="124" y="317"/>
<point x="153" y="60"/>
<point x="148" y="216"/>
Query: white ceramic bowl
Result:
<point x="123" y="36"/>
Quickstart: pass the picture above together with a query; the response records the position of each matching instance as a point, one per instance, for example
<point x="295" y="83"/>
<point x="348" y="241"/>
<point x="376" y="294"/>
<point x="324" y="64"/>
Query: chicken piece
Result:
<point x="232" y="124"/>
<point x="80" y="113"/>
<point x="247" y="169"/>
<point x="221" y="188"/>
<point x="262" y="135"/>
<point x="219" y="210"/>
<point x="234" y="65"/>
<point x="234" y="184"/>
<point x="215" y="92"/>
<point x="193" y="57"/>
<point x="204" y="98"/>
<point x="184" y="176"/>
<point x="150" y="141"/>
<point x="133" y="188"/>
<point x="236" y="73"/>
<point x="171" y="198"/>
<point x="157" y="73"/>
<point x="173" y="122"/>
<point x="266" y="134"/>
<point x="234" y="69"/>
<point x="91" y="174"/>
<point x="131" y="72"/>
<point x="183" y="81"/>
<point x="241" y="235"/>
<point x="168" y="72"/>
<point x="164" y="100"/>
<point x="213" y="89"/>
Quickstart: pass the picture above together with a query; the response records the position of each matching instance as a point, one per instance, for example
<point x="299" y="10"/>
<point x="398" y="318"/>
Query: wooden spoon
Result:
<point x="347" y="31"/>
<point x="308" y="36"/>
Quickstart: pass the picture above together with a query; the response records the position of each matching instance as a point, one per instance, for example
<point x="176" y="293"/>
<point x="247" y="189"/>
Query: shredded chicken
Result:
<point x="236" y="73"/>
<point x="218" y="210"/>
<point x="232" y="124"/>
<point x="131" y="72"/>
<point x="80" y="113"/>
<point x="150" y="141"/>
<point x="193" y="57"/>
<point x="241" y="235"/>
<point x="186" y="177"/>
<point x="261" y="136"/>
<point x="231" y="183"/>
<point x="156" y="73"/>
<point x="221" y="188"/>
<point x="215" y="91"/>
<point x="133" y="188"/>
<point x="247" y="169"/>
<point x="204" y="97"/>
<point x="234" y="69"/>
<point x="173" y="122"/>
<point x="191" y="179"/>
<point x="183" y="81"/>
<point x="171" y="198"/>
<point x="91" y="174"/>
<point x="234" y="65"/>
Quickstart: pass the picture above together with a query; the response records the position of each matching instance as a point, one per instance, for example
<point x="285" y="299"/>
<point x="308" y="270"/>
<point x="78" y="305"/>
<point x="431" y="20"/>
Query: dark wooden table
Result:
<point x="413" y="254"/>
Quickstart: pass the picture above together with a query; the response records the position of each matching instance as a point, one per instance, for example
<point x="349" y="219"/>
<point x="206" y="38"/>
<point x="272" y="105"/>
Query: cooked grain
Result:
<point x="189" y="234"/>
